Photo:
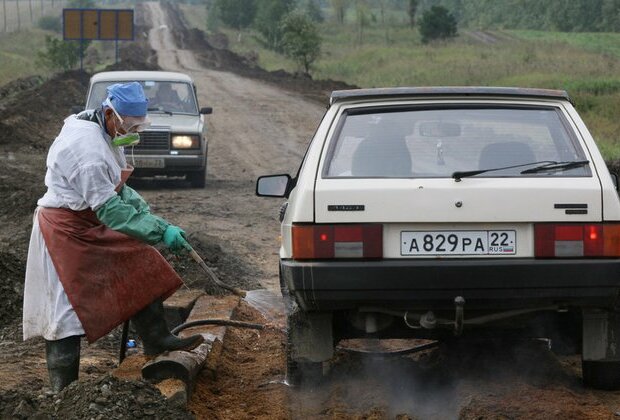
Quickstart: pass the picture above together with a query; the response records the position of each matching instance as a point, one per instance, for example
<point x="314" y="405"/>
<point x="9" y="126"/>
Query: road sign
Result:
<point x="98" y="24"/>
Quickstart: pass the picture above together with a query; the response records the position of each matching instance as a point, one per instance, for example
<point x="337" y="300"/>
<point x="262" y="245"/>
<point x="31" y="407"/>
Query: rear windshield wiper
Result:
<point x="156" y="109"/>
<point x="464" y="174"/>
<point x="553" y="166"/>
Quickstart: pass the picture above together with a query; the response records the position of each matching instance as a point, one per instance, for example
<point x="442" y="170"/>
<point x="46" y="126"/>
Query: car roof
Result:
<point x="139" y="75"/>
<point x="439" y="91"/>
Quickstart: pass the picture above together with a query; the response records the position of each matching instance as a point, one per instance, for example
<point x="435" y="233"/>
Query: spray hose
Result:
<point x="226" y="322"/>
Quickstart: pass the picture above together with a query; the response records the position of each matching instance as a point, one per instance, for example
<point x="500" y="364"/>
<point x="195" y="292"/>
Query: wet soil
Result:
<point x="261" y="124"/>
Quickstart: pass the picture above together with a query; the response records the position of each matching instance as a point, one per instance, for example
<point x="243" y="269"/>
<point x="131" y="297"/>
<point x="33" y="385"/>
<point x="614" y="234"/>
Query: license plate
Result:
<point x="148" y="163"/>
<point x="466" y="242"/>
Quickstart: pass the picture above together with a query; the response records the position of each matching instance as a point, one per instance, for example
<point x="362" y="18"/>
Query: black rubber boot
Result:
<point x="63" y="361"/>
<point x="151" y="326"/>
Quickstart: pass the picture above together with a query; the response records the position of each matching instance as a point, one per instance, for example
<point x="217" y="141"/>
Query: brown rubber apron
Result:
<point x="108" y="276"/>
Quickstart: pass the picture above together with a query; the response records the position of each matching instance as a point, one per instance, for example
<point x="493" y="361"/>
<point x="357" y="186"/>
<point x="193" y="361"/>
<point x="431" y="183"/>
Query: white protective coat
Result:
<point x="83" y="170"/>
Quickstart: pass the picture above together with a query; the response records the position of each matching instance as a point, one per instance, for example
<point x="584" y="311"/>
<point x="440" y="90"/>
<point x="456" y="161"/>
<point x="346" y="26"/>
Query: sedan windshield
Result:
<point x="164" y="96"/>
<point x="436" y="143"/>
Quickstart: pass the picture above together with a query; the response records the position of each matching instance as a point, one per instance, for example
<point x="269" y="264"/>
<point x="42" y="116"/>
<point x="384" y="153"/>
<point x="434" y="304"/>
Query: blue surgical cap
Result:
<point x="128" y="99"/>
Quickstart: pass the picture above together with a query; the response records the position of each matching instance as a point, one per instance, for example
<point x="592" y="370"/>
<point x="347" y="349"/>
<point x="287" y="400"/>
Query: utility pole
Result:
<point x="19" y="20"/>
<point x="4" y="10"/>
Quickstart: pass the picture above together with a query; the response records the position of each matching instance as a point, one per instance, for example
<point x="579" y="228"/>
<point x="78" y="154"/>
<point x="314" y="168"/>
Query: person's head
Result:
<point x="125" y="109"/>
<point x="164" y="92"/>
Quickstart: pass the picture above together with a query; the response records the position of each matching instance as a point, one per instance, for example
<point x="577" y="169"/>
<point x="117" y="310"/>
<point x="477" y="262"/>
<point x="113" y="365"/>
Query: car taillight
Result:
<point x="337" y="241"/>
<point x="576" y="240"/>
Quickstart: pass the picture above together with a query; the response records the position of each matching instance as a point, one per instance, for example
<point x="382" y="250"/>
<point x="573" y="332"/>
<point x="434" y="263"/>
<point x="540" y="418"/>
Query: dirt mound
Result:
<point x="19" y="85"/>
<point x="11" y="290"/>
<point x="32" y="118"/>
<point x="223" y="59"/>
<point x="137" y="55"/>
<point x="106" y="397"/>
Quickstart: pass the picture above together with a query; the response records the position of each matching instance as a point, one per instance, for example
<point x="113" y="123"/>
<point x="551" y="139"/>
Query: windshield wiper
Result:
<point x="464" y="174"/>
<point x="156" y="109"/>
<point x="553" y="166"/>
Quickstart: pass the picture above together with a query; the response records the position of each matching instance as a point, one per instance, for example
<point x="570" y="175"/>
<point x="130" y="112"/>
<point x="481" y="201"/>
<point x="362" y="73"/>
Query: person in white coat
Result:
<point x="90" y="263"/>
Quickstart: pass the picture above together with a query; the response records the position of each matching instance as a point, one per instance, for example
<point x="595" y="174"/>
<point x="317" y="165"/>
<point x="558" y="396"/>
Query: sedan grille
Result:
<point x="153" y="140"/>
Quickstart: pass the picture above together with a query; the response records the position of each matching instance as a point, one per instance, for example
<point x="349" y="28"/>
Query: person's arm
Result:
<point x="131" y="196"/>
<point x="140" y="224"/>
<point x="132" y="218"/>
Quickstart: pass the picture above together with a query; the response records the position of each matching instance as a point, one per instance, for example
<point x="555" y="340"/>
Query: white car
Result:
<point x="451" y="211"/>
<point x="175" y="143"/>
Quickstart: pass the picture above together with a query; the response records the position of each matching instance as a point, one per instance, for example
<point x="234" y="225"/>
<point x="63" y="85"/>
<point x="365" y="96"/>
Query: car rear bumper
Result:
<point x="489" y="284"/>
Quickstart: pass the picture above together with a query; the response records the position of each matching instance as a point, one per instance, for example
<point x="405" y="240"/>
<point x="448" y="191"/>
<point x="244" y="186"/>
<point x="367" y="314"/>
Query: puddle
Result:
<point x="270" y="305"/>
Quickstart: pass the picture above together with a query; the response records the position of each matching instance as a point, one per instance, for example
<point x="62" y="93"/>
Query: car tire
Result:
<point x="311" y="336"/>
<point x="601" y="374"/>
<point x="197" y="179"/>
<point x="302" y="373"/>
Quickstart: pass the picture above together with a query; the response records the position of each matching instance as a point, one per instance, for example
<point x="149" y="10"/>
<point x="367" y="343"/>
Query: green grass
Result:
<point x="604" y="43"/>
<point x="18" y="54"/>
<point x="196" y="16"/>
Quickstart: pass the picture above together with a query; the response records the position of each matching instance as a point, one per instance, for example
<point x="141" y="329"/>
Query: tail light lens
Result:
<point x="553" y="240"/>
<point x="337" y="241"/>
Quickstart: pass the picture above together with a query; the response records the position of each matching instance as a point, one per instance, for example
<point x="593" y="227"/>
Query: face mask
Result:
<point x="129" y="139"/>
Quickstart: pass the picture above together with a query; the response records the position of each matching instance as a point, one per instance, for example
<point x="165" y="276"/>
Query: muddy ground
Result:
<point x="261" y="124"/>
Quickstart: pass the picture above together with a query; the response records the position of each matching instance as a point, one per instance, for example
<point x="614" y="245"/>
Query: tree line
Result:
<point x="553" y="15"/>
<point x="285" y="26"/>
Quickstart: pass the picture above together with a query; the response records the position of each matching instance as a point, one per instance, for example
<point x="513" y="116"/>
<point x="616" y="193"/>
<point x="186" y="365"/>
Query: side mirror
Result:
<point x="76" y="109"/>
<point x="206" y="110"/>
<point x="614" y="179"/>
<point x="273" y="185"/>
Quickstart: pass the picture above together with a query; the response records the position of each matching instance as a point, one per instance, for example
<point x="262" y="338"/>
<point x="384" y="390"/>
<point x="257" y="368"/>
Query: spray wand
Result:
<point x="211" y="274"/>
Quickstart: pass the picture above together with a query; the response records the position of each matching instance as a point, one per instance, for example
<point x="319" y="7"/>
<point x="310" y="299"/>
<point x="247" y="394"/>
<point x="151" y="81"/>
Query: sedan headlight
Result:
<point x="185" y="142"/>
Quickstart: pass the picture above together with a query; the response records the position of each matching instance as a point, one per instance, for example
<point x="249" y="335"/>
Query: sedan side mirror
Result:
<point x="206" y="110"/>
<point x="273" y="185"/>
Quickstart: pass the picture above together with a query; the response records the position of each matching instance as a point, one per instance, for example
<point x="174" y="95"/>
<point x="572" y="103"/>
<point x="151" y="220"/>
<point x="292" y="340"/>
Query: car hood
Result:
<point x="178" y="123"/>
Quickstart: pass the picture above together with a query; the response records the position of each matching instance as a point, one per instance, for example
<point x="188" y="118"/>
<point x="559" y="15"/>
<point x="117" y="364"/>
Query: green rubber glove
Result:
<point x="130" y="196"/>
<point x="174" y="238"/>
<point x="123" y="217"/>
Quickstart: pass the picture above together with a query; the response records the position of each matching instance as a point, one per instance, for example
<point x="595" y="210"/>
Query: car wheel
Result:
<point x="197" y="179"/>
<point x="601" y="374"/>
<point x="308" y="344"/>
<point x="301" y="373"/>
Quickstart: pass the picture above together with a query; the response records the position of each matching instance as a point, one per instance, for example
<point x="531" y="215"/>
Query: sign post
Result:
<point x="97" y="25"/>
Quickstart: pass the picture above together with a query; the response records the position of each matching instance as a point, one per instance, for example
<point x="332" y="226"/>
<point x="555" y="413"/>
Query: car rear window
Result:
<point x="435" y="143"/>
<point x="163" y="96"/>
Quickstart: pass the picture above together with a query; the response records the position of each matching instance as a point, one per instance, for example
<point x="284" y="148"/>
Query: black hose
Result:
<point x="226" y="322"/>
<point x="123" y="347"/>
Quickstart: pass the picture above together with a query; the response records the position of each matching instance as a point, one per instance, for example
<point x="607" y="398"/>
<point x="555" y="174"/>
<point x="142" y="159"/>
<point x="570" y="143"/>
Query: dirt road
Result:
<point x="255" y="129"/>
<point x="258" y="128"/>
